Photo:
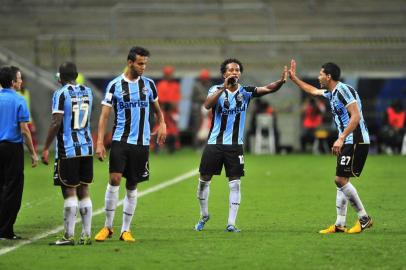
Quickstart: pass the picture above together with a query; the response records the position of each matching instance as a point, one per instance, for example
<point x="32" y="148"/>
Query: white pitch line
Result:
<point x="99" y="211"/>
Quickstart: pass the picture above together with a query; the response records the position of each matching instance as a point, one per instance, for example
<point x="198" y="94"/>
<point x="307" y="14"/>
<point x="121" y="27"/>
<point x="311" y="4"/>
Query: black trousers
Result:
<point x="11" y="185"/>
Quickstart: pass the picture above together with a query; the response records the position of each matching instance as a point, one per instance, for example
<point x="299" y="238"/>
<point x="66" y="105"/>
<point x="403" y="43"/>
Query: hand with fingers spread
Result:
<point x="284" y="76"/>
<point x="292" y="69"/>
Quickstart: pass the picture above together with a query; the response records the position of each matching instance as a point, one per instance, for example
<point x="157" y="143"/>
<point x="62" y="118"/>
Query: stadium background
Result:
<point x="366" y="38"/>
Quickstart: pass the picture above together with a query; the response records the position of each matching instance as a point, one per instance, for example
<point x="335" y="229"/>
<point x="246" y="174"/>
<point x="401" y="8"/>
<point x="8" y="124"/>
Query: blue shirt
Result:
<point x="342" y="96"/>
<point x="229" y="115"/>
<point x="13" y="111"/>
<point x="131" y="103"/>
<point x="74" y="138"/>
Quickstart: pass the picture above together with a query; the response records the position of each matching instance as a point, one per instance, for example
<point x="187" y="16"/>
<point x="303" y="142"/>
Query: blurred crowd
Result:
<point x="317" y="131"/>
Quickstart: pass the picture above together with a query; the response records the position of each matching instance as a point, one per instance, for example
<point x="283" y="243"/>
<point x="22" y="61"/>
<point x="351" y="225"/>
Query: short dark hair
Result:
<point x="7" y="76"/>
<point x="223" y="66"/>
<point x="132" y="55"/>
<point x="333" y="70"/>
<point x="68" y="72"/>
<point x="15" y="69"/>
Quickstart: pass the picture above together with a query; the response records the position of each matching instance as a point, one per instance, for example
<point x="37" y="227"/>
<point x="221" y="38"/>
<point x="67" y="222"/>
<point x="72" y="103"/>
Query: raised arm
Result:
<point x="212" y="99"/>
<point x="25" y="131"/>
<point x="52" y="131"/>
<point x="301" y="84"/>
<point x="275" y="86"/>
<point x="161" y="136"/>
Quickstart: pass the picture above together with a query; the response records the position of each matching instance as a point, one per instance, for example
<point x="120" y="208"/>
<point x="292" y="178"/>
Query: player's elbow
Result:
<point x="356" y="118"/>
<point x="25" y="133"/>
<point x="207" y="106"/>
<point x="24" y="129"/>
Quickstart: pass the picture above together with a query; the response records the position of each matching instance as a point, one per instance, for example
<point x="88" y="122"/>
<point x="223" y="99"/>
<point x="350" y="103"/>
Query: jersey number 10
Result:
<point x="76" y="115"/>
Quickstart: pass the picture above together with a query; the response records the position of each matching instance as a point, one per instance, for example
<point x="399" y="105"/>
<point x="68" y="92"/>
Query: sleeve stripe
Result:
<point x="154" y="92"/>
<point x="111" y="90"/>
<point x="341" y="98"/>
<point x="354" y="101"/>
<point x="106" y="104"/>
<point x="61" y="102"/>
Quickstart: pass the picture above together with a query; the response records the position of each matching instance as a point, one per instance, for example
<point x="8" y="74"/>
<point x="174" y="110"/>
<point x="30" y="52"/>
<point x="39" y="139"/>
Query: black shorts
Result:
<point x="72" y="172"/>
<point x="11" y="165"/>
<point x="130" y="160"/>
<point x="351" y="160"/>
<point x="214" y="156"/>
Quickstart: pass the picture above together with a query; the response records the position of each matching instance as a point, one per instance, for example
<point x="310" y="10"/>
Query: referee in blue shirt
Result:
<point x="14" y="117"/>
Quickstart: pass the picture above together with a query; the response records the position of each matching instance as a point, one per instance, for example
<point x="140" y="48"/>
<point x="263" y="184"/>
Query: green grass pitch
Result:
<point x="285" y="201"/>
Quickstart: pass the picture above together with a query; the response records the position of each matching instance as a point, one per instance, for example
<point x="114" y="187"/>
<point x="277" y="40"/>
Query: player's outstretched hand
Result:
<point x="292" y="69"/>
<point x="100" y="152"/>
<point x="284" y="76"/>
<point x="45" y="156"/>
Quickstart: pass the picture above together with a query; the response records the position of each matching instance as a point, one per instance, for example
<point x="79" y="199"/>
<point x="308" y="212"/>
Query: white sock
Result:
<point x="341" y="206"/>
<point x="86" y="210"/>
<point x="203" y="191"/>
<point x="129" y="205"/>
<point x="235" y="199"/>
<point x="352" y="196"/>
<point x="70" y="208"/>
<point x="111" y="200"/>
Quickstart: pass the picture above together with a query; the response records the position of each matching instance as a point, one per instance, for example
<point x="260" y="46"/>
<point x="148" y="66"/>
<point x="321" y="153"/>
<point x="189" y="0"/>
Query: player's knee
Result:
<point x="131" y="186"/>
<point x="68" y="191"/>
<point x="83" y="191"/>
<point x="341" y="181"/>
<point x="205" y="178"/>
<point x="115" y="179"/>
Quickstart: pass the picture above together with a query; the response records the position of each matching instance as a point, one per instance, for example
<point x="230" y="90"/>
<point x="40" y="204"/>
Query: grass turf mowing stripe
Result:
<point x="99" y="211"/>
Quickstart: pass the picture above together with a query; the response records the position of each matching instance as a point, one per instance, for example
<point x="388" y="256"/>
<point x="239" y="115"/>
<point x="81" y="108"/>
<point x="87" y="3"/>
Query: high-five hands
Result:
<point x="284" y="76"/>
<point x="292" y="69"/>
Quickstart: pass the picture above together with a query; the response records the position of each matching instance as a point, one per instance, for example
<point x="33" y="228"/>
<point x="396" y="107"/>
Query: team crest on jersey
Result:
<point x="240" y="97"/>
<point x="144" y="90"/>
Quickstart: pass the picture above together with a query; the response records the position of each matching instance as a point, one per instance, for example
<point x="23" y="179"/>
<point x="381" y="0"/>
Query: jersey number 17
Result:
<point x="76" y="109"/>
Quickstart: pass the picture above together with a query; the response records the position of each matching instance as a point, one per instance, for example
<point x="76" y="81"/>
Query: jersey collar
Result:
<point x="8" y="90"/>
<point x="232" y="93"/>
<point x="336" y="88"/>
<point x="128" y="80"/>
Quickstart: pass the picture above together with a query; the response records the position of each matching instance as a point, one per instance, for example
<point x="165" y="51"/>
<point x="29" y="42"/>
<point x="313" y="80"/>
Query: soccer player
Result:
<point x="351" y="146"/>
<point x="73" y="170"/>
<point x="14" y="118"/>
<point x="131" y="96"/>
<point x="229" y="103"/>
